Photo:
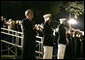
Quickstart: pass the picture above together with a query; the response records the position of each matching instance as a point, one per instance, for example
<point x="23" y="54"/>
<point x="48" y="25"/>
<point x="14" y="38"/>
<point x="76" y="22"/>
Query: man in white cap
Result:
<point x="48" y="37"/>
<point x="62" y="40"/>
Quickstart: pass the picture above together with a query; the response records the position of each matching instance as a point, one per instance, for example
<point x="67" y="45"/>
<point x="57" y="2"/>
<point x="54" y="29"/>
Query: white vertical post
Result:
<point x="39" y="49"/>
<point x="1" y="48"/>
<point x="16" y="46"/>
<point x="8" y="49"/>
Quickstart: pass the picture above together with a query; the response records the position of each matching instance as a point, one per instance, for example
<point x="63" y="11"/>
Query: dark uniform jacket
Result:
<point x="48" y="35"/>
<point x="28" y="40"/>
<point x="62" y="35"/>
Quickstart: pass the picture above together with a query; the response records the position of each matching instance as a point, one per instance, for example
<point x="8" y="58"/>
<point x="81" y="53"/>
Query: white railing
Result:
<point x="18" y="36"/>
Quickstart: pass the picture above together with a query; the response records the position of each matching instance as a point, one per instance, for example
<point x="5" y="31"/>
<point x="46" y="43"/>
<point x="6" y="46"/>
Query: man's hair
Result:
<point x="27" y="12"/>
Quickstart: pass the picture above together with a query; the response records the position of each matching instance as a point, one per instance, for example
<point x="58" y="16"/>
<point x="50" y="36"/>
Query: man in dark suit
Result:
<point x="28" y="29"/>
<point x="48" y="37"/>
<point x="62" y="40"/>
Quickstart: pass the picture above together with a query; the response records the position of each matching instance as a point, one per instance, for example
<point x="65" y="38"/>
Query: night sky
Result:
<point x="15" y="10"/>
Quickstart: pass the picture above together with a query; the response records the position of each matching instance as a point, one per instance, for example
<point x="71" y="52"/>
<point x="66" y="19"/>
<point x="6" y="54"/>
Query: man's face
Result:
<point x="2" y="18"/>
<point x="31" y="14"/>
<point x="64" y="22"/>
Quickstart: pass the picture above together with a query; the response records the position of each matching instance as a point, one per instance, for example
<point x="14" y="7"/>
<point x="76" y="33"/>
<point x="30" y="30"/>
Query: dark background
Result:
<point x="15" y="10"/>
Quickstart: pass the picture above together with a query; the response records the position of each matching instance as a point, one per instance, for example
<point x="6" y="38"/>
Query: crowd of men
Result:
<point x="60" y="43"/>
<point x="11" y="24"/>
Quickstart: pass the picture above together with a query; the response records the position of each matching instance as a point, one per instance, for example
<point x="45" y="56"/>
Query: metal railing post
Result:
<point x="8" y="49"/>
<point x="12" y="37"/>
<point x="39" y="48"/>
<point x="1" y="48"/>
<point x="42" y="44"/>
<point x="15" y="46"/>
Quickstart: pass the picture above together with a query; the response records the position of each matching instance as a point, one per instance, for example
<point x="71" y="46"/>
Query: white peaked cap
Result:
<point x="63" y="19"/>
<point x="47" y="15"/>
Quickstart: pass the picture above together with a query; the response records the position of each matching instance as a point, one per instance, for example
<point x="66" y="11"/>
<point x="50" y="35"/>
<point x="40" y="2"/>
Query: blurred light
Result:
<point x="76" y="35"/>
<point x="72" y="21"/>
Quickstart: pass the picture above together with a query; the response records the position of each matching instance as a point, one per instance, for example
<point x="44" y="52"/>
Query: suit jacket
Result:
<point x="48" y="35"/>
<point x="28" y="40"/>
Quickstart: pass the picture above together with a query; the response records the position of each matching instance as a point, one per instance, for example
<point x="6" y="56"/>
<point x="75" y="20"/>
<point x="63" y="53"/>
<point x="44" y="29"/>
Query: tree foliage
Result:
<point x="72" y="7"/>
<point x="75" y="7"/>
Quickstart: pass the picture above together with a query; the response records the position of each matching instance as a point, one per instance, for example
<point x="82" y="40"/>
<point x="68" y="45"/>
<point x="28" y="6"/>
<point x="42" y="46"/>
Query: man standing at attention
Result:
<point x="62" y="39"/>
<point x="48" y="37"/>
<point x="28" y="29"/>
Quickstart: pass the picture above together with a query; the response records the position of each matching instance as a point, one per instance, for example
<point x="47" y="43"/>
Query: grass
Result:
<point x="7" y="56"/>
<point x="13" y="57"/>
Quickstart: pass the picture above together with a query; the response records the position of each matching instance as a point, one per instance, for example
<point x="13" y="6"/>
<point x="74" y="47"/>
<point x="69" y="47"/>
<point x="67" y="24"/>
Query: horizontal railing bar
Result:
<point x="11" y="30"/>
<point x="11" y="43"/>
<point x="12" y="34"/>
<point x="39" y="52"/>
